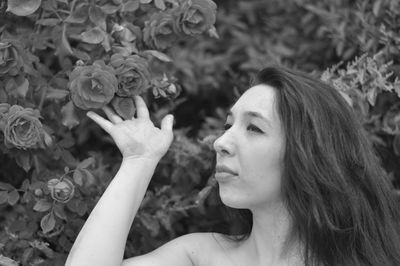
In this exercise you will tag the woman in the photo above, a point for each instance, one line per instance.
(293, 154)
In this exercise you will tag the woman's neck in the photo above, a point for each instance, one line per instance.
(271, 240)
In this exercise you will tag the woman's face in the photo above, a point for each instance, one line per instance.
(252, 147)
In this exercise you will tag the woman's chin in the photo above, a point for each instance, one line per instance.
(231, 199)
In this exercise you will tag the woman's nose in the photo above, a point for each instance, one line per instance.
(223, 145)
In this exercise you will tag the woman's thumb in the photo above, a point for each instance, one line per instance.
(167, 122)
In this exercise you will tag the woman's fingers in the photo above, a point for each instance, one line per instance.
(103, 123)
(167, 122)
(141, 108)
(111, 115)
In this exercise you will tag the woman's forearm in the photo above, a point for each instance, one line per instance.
(102, 239)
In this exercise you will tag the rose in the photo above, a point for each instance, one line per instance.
(4, 107)
(61, 190)
(161, 30)
(92, 86)
(126, 32)
(23, 130)
(197, 16)
(10, 58)
(132, 73)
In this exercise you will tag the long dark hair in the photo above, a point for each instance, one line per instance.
(341, 202)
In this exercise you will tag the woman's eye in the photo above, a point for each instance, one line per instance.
(227, 126)
(250, 127)
(254, 128)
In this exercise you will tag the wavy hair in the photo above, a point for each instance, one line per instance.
(339, 197)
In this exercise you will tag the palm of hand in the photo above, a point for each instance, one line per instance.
(138, 137)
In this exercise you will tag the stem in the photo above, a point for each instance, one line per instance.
(62, 177)
(42, 97)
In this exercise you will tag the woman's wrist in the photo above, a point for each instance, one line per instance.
(130, 165)
(133, 160)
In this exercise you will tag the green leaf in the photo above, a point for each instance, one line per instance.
(3, 96)
(86, 163)
(48, 222)
(159, 55)
(6, 186)
(23, 7)
(124, 107)
(6, 261)
(78, 177)
(89, 180)
(77, 206)
(93, 36)
(24, 160)
(109, 9)
(26, 256)
(13, 197)
(68, 157)
(82, 208)
(64, 41)
(160, 4)
(56, 94)
(130, 6)
(79, 15)
(23, 88)
(97, 16)
(3, 197)
(42, 205)
(73, 205)
(59, 211)
(69, 116)
(25, 185)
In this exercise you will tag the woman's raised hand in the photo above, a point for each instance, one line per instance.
(138, 137)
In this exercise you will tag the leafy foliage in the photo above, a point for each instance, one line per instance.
(60, 58)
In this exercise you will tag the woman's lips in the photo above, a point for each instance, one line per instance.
(224, 176)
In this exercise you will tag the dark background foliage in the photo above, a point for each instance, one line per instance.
(354, 45)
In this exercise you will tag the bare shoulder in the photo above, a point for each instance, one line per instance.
(193, 249)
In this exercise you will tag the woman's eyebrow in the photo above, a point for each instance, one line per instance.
(253, 114)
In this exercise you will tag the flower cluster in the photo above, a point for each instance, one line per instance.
(22, 128)
(189, 18)
(92, 86)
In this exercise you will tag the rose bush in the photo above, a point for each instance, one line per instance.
(85, 54)
(92, 86)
